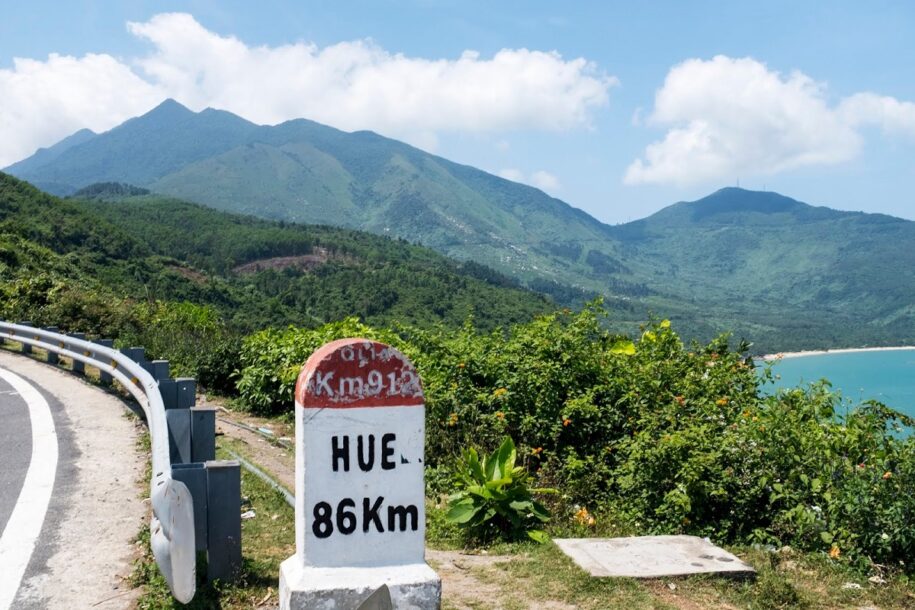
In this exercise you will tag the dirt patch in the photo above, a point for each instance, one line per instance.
(684, 600)
(461, 589)
(276, 460)
(304, 262)
(191, 274)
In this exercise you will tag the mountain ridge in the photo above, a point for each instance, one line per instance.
(303, 171)
(776, 270)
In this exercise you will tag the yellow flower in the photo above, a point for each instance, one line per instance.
(834, 552)
(721, 402)
(452, 419)
(499, 392)
(460, 365)
(500, 414)
(887, 475)
(583, 517)
(566, 422)
(537, 451)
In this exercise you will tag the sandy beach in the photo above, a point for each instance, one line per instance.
(849, 350)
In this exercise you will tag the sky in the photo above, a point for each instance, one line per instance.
(617, 108)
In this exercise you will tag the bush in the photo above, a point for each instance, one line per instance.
(271, 360)
(494, 499)
(657, 436)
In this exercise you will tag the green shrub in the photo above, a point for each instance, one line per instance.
(494, 498)
(657, 436)
(271, 360)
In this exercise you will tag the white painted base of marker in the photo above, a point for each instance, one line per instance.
(413, 586)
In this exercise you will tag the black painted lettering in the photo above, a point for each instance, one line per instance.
(402, 512)
(337, 452)
(322, 525)
(387, 451)
(370, 514)
(346, 519)
(365, 461)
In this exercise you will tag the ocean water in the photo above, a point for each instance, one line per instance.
(887, 376)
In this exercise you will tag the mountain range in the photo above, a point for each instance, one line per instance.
(782, 273)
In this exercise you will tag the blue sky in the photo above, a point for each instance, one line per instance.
(616, 108)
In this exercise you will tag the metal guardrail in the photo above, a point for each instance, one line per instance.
(172, 525)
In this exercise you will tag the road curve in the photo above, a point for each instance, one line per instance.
(71, 495)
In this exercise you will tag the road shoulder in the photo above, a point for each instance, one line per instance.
(86, 547)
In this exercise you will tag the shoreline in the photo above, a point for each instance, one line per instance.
(847, 350)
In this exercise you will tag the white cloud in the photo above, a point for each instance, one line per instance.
(888, 113)
(44, 101)
(543, 180)
(350, 85)
(510, 173)
(731, 117)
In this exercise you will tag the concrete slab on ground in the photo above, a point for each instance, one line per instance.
(652, 556)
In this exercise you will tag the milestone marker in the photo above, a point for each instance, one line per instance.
(360, 515)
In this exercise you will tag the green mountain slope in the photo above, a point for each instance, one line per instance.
(787, 274)
(779, 272)
(139, 150)
(46, 155)
(302, 171)
(144, 247)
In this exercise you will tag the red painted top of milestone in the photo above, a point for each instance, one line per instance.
(350, 373)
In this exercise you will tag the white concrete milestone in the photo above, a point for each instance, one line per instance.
(651, 556)
(360, 513)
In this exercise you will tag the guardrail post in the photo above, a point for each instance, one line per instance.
(186, 392)
(159, 369)
(203, 434)
(195, 477)
(223, 520)
(104, 377)
(52, 356)
(78, 367)
(179, 435)
(137, 354)
(169, 390)
(26, 349)
(179, 420)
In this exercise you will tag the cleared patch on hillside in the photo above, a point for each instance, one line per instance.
(304, 262)
(191, 274)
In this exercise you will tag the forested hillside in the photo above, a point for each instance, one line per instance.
(783, 274)
(323, 273)
(66, 259)
(302, 171)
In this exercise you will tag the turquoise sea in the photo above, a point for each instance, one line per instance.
(887, 376)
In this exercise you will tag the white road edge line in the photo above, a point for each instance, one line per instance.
(24, 526)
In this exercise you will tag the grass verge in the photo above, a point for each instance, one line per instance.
(267, 540)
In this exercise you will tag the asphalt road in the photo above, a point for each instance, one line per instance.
(70, 493)
(15, 448)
